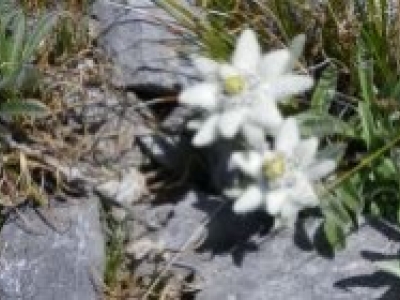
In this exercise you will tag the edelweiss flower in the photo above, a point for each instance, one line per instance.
(241, 96)
(283, 176)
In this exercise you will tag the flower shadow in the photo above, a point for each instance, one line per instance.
(309, 234)
(232, 234)
(377, 279)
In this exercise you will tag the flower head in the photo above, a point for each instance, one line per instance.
(241, 96)
(283, 176)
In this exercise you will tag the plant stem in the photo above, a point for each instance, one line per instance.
(364, 163)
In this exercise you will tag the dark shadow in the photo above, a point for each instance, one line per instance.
(302, 237)
(309, 234)
(239, 252)
(375, 280)
(149, 91)
(378, 279)
(322, 245)
(386, 228)
(376, 257)
(230, 233)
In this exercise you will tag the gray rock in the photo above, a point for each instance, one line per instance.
(136, 229)
(125, 191)
(185, 220)
(111, 121)
(119, 123)
(41, 262)
(276, 269)
(245, 262)
(142, 47)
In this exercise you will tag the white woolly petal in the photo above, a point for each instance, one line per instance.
(194, 124)
(287, 86)
(274, 64)
(296, 48)
(250, 200)
(275, 200)
(254, 136)
(207, 132)
(202, 95)
(288, 214)
(321, 169)
(233, 192)
(230, 122)
(208, 68)
(225, 71)
(288, 137)
(265, 113)
(306, 150)
(302, 192)
(248, 162)
(247, 54)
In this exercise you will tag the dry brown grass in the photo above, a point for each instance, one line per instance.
(75, 6)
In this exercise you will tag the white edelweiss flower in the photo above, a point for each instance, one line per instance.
(283, 177)
(241, 97)
(226, 94)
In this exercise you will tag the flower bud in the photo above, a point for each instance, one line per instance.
(234, 85)
(274, 168)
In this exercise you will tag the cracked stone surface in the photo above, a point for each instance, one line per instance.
(239, 259)
(40, 262)
(127, 32)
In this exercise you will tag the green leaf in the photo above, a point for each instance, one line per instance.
(386, 169)
(350, 197)
(367, 123)
(17, 47)
(316, 123)
(398, 214)
(324, 92)
(375, 209)
(338, 211)
(334, 233)
(365, 72)
(43, 27)
(18, 41)
(5, 42)
(394, 91)
(179, 12)
(23, 107)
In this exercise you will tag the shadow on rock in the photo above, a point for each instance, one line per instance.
(378, 279)
(228, 232)
(386, 228)
(375, 280)
(309, 234)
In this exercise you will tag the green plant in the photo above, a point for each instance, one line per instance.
(70, 36)
(355, 106)
(18, 46)
(114, 254)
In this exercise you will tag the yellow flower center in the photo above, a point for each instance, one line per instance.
(234, 85)
(275, 167)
